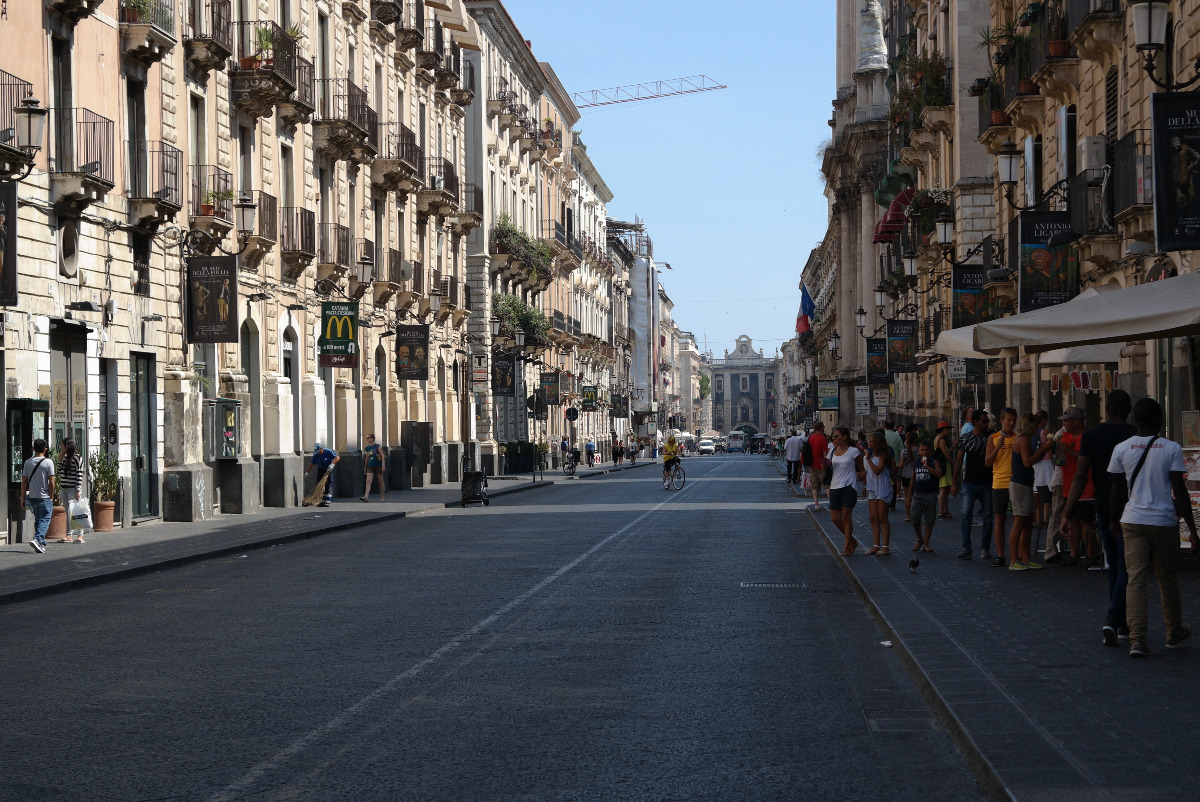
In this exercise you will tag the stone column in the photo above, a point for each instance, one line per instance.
(187, 481)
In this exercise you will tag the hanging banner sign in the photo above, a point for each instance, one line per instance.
(338, 343)
(827, 392)
(976, 371)
(412, 354)
(8, 243)
(212, 299)
(588, 397)
(479, 372)
(620, 406)
(1047, 276)
(902, 346)
(967, 287)
(549, 384)
(1175, 143)
(504, 375)
(877, 361)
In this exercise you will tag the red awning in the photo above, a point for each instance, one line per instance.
(892, 222)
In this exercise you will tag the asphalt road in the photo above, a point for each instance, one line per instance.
(603, 639)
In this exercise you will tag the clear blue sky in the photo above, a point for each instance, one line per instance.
(726, 181)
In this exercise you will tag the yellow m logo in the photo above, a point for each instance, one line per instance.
(339, 321)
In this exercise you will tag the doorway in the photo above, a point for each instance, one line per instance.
(144, 393)
(68, 383)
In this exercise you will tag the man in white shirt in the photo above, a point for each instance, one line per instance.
(792, 448)
(1148, 498)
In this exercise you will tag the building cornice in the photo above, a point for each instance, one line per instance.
(559, 96)
(495, 22)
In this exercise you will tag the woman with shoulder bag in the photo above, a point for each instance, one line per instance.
(70, 475)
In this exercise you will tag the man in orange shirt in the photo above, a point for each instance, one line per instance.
(999, 459)
(1083, 515)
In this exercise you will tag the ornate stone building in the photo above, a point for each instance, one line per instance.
(744, 390)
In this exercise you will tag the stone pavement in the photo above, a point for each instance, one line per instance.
(155, 545)
(1013, 663)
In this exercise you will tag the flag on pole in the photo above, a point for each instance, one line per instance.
(807, 310)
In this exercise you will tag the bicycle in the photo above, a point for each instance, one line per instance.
(675, 479)
(569, 465)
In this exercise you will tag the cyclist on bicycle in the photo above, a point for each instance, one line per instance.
(671, 453)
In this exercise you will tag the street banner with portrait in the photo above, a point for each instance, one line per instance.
(827, 393)
(549, 382)
(504, 375)
(1048, 276)
(1175, 143)
(412, 353)
(620, 406)
(8, 243)
(902, 346)
(212, 299)
(337, 346)
(967, 287)
(877, 361)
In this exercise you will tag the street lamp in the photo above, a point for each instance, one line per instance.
(435, 300)
(520, 338)
(945, 227)
(1008, 163)
(244, 213)
(860, 318)
(495, 326)
(30, 123)
(835, 342)
(1150, 23)
(910, 263)
(880, 297)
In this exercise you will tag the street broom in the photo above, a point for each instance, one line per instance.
(317, 494)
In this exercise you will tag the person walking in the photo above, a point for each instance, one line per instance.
(634, 445)
(880, 493)
(843, 492)
(373, 467)
(908, 458)
(589, 449)
(818, 447)
(927, 476)
(70, 479)
(564, 448)
(1080, 523)
(973, 480)
(792, 449)
(1149, 496)
(37, 493)
(1027, 451)
(999, 459)
(941, 445)
(324, 460)
(1095, 454)
(1043, 475)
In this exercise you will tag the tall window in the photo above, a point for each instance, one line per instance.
(287, 180)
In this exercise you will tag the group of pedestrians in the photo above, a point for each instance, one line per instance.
(1111, 496)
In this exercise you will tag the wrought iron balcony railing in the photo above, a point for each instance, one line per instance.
(263, 46)
(335, 246)
(441, 176)
(211, 191)
(297, 228)
(1133, 172)
(155, 172)
(159, 13)
(82, 143)
(210, 20)
(266, 219)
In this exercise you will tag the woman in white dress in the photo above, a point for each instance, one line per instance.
(880, 488)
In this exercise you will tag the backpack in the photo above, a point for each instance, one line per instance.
(806, 455)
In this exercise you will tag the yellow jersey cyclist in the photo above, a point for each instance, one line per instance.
(671, 452)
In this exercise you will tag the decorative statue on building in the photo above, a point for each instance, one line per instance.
(872, 52)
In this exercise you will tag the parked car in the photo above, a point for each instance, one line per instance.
(706, 447)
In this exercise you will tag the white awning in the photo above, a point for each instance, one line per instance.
(1082, 355)
(1167, 308)
(961, 342)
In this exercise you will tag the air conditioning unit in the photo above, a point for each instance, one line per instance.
(1090, 153)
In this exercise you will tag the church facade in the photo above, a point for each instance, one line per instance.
(745, 390)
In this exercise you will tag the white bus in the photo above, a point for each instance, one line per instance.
(737, 442)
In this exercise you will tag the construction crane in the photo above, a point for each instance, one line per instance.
(647, 91)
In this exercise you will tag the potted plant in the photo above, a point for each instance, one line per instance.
(106, 479)
(264, 41)
(1056, 30)
(212, 198)
(132, 11)
(996, 100)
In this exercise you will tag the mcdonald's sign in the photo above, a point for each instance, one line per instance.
(338, 343)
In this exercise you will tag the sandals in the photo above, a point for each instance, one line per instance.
(917, 546)
(884, 551)
(873, 551)
(853, 547)
(927, 549)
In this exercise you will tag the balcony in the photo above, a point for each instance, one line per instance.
(345, 127)
(552, 141)
(298, 235)
(439, 196)
(412, 286)
(1089, 202)
(448, 287)
(500, 97)
(995, 126)
(1133, 185)
(265, 71)
(363, 275)
(147, 29)
(386, 12)
(300, 105)
(334, 252)
(410, 27)
(74, 10)
(207, 37)
(82, 159)
(154, 185)
(400, 164)
(1024, 106)
(262, 240)
(464, 93)
(470, 212)
(446, 72)
(210, 203)
(1097, 28)
(390, 279)
(554, 234)
(12, 91)
(432, 46)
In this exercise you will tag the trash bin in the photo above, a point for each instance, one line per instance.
(474, 487)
